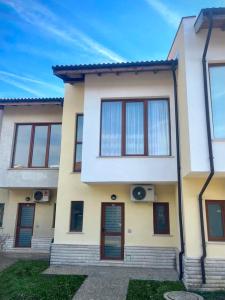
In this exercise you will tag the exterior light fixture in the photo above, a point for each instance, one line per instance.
(113, 197)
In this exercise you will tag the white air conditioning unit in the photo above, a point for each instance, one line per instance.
(142, 193)
(41, 196)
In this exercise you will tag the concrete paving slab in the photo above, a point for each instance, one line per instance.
(109, 283)
(102, 289)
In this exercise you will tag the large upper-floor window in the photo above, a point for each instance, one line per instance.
(37, 145)
(217, 83)
(78, 142)
(215, 213)
(135, 127)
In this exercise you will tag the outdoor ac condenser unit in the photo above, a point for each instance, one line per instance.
(142, 193)
(41, 196)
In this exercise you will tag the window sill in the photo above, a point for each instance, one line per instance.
(218, 140)
(138, 156)
(75, 232)
(25, 169)
(163, 235)
(215, 242)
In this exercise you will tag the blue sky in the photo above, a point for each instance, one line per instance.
(36, 34)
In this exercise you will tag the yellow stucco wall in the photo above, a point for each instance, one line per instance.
(138, 217)
(43, 219)
(215, 191)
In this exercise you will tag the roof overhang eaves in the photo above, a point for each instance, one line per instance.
(218, 15)
(77, 73)
(30, 102)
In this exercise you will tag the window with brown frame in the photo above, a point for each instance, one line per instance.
(215, 215)
(161, 218)
(78, 142)
(2, 206)
(217, 86)
(53, 219)
(37, 145)
(135, 127)
(76, 216)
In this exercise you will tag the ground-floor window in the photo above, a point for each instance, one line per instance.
(161, 218)
(76, 217)
(215, 214)
(2, 206)
(53, 219)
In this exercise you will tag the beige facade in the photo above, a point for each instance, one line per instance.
(103, 176)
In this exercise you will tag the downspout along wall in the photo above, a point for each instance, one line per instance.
(179, 188)
(210, 149)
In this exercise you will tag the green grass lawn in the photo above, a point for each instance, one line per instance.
(24, 281)
(154, 290)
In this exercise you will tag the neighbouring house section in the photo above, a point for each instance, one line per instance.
(189, 47)
(200, 47)
(30, 145)
(26, 224)
(214, 224)
(30, 135)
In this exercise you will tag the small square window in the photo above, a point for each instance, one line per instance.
(161, 218)
(76, 217)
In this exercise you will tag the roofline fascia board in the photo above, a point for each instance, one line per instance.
(29, 103)
(112, 65)
(71, 74)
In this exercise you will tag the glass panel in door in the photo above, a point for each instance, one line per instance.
(25, 225)
(112, 231)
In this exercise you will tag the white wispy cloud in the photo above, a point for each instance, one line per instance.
(169, 15)
(42, 18)
(21, 86)
(7, 75)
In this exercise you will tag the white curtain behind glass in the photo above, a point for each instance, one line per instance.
(134, 128)
(217, 80)
(111, 128)
(158, 127)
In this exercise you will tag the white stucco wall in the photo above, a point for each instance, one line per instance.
(193, 77)
(124, 169)
(25, 178)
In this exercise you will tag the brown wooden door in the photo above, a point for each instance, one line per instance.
(112, 231)
(25, 222)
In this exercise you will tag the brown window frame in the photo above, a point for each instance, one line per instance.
(222, 204)
(166, 205)
(71, 205)
(77, 165)
(31, 147)
(145, 124)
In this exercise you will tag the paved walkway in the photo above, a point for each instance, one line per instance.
(6, 261)
(110, 283)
